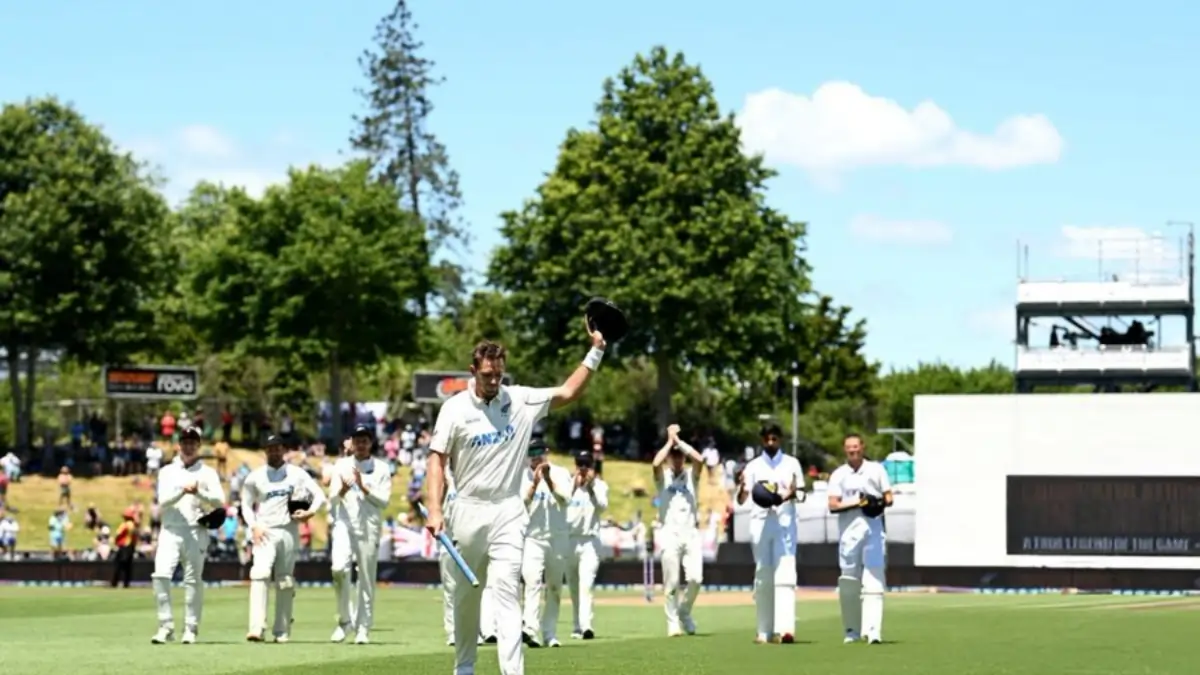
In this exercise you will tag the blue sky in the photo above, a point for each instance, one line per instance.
(920, 140)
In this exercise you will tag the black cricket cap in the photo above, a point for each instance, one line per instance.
(274, 439)
(585, 459)
(363, 430)
(191, 433)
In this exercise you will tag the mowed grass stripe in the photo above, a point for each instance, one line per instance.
(930, 634)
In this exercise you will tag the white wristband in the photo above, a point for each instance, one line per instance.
(593, 358)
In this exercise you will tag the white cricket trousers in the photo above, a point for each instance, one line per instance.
(356, 606)
(274, 559)
(774, 544)
(543, 570)
(681, 547)
(862, 557)
(582, 564)
(490, 536)
(187, 546)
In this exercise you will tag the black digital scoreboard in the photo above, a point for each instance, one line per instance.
(1103, 516)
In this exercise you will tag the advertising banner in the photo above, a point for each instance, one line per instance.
(167, 383)
(435, 387)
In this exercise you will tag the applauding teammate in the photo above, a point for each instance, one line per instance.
(187, 491)
(271, 498)
(341, 551)
(360, 490)
(483, 433)
(589, 499)
(679, 531)
(859, 490)
(546, 488)
(773, 479)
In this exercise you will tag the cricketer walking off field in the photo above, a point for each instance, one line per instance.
(675, 469)
(186, 491)
(773, 538)
(483, 434)
(360, 490)
(546, 489)
(862, 542)
(275, 533)
(589, 501)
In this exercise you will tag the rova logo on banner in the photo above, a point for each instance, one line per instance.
(451, 386)
(176, 384)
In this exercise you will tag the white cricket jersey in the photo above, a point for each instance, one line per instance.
(548, 509)
(180, 510)
(782, 470)
(586, 507)
(677, 498)
(271, 489)
(487, 441)
(850, 485)
(361, 509)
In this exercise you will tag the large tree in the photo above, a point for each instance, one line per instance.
(658, 208)
(325, 271)
(395, 137)
(83, 240)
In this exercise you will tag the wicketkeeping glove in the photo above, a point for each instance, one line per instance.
(872, 506)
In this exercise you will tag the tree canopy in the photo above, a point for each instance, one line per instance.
(658, 209)
(83, 237)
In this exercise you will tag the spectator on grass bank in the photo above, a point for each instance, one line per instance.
(227, 425)
(91, 519)
(146, 547)
(221, 452)
(102, 544)
(3, 487)
(166, 427)
(125, 542)
(185, 421)
(154, 459)
(64, 488)
(57, 526)
(9, 528)
(11, 464)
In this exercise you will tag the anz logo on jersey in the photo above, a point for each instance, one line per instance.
(284, 492)
(678, 488)
(491, 438)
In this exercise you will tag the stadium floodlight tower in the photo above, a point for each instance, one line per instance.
(1126, 321)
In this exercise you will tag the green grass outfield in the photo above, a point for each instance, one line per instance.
(96, 631)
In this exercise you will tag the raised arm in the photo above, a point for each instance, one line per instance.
(560, 485)
(598, 491)
(568, 392)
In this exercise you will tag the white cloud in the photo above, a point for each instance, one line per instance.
(841, 127)
(201, 152)
(205, 141)
(877, 229)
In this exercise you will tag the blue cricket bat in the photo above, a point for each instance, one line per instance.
(444, 540)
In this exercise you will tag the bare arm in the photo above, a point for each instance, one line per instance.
(570, 391)
(691, 452)
(249, 498)
(435, 483)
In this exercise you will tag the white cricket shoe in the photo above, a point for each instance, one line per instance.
(577, 635)
(674, 631)
(553, 642)
(874, 640)
(189, 636)
(282, 639)
(851, 638)
(689, 625)
(339, 634)
(362, 638)
(163, 636)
